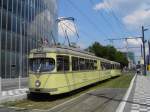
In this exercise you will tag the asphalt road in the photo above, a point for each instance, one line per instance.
(9, 84)
(102, 100)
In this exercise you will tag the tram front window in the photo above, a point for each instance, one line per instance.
(42, 64)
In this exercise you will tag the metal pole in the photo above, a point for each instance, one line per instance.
(1, 52)
(127, 52)
(149, 52)
(149, 47)
(67, 38)
(143, 40)
(20, 57)
(141, 50)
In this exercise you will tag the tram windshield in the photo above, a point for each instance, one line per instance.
(42, 64)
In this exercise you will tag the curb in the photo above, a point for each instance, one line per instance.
(13, 96)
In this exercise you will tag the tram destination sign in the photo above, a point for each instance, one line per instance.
(39, 55)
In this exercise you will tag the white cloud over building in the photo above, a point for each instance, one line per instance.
(133, 13)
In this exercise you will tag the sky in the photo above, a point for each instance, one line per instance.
(99, 20)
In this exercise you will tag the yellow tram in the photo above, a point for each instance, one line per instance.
(61, 69)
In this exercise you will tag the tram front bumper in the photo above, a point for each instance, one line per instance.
(43, 90)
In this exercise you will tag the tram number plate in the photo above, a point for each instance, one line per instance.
(39, 55)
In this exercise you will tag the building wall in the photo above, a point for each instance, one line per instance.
(22, 24)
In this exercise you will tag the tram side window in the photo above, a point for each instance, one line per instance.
(62, 63)
(109, 66)
(113, 66)
(90, 65)
(82, 64)
(102, 66)
(95, 65)
(75, 64)
(106, 66)
(87, 64)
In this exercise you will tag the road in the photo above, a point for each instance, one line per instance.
(9, 84)
(102, 100)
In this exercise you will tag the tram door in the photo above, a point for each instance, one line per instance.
(63, 65)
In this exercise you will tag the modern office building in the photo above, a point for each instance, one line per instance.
(22, 24)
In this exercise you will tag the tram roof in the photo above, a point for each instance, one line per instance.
(70, 50)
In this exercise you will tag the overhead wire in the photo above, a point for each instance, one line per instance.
(87, 18)
(75, 32)
(64, 33)
(120, 24)
(104, 18)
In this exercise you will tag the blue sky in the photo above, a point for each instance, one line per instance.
(98, 20)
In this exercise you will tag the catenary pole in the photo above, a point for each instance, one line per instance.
(143, 40)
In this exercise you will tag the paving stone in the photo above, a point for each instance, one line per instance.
(140, 95)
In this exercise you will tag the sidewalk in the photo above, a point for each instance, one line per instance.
(13, 95)
(139, 99)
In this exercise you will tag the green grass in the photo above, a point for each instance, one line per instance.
(122, 81)
(119, 82)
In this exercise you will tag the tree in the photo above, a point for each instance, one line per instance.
(108, 52)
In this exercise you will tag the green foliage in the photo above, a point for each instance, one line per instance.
(108, 52)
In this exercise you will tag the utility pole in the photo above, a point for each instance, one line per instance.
(149, 47)
(149, 52)
(127, 53)
(141, 50)
(143, 40)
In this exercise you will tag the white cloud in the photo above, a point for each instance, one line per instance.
(133, 13)
(67, 26)
(133, 41)
(100, 6)
(137, 18)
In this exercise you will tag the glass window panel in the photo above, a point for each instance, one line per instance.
(62, 63)
(42, 64)
(1, 3)
(5, 4)
(75, 64)
(10, 5)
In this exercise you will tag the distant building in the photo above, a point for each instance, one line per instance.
(22, 24)
(131, 59)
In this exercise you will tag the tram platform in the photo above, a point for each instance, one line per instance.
(139, 98)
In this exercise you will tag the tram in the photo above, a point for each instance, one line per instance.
(60, 70)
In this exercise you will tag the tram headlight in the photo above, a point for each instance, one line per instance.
(37, 83)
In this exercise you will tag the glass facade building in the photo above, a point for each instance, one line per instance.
(22, 24)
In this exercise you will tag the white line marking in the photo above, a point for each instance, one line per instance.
(18, 108)
(123, 102)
